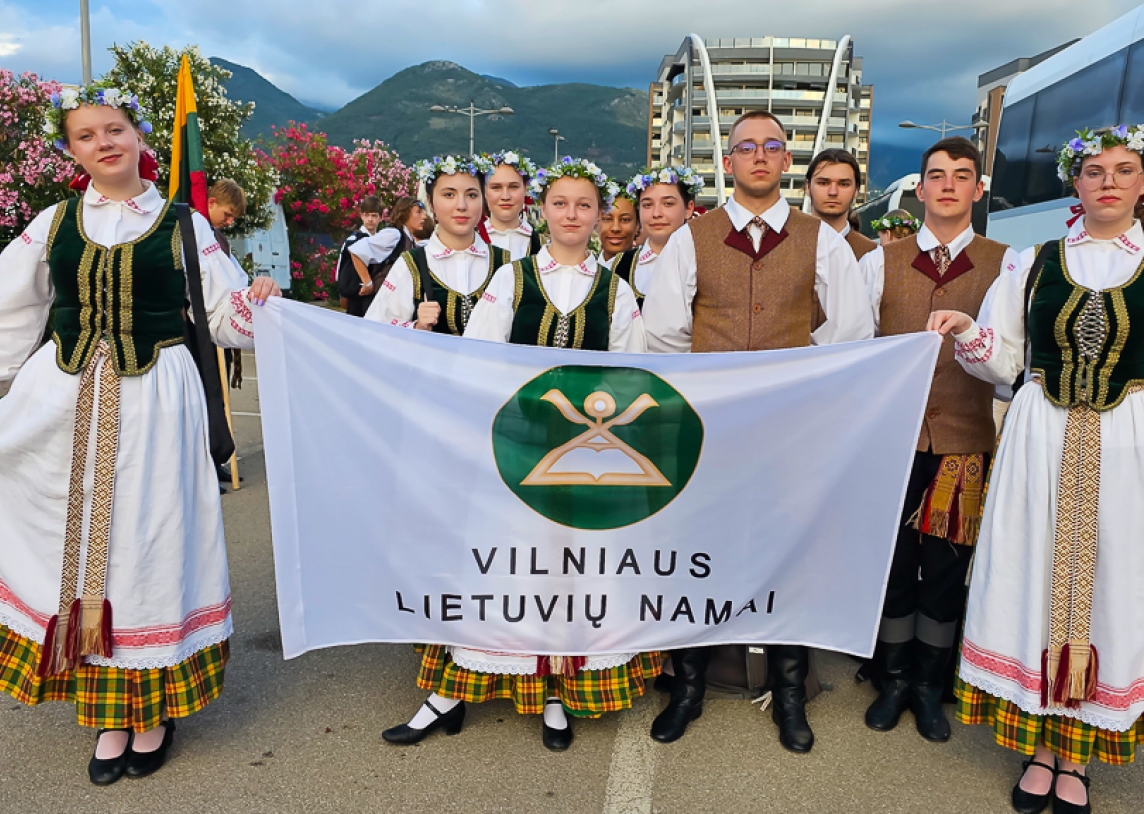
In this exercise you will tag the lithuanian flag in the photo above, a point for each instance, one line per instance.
(188, 178)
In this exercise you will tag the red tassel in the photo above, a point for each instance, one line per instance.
(1078, 213)
(105, 631)
(75, 621)
(1091, 677)
(80, 182)
(483, 231)
(42, 669)
(148, 166)
(1046, 683)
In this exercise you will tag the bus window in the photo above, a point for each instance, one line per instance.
(1132, 103)
(1088, 98)
(909, 202)
(1010, 161)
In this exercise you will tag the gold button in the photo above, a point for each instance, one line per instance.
(758, 308)
(758, 264)
(939, 292)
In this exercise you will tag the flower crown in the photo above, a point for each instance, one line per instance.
(1087, 143)
(98, 93)
(522, 165)
(894, 221)
(569, 167)
(430, 170)
(686, 176)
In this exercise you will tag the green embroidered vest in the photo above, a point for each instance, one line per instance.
(456, 308)
(1080, 339)
(537, 322)
(130, 295)
(625, 268)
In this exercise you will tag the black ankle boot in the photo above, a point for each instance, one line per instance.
(405, 735)
(930, 664)
(687, 690)
(893, 663)
(789, 667)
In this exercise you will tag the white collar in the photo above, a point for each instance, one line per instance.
(775, 217)
(1130, 241)
(927, 242)
(546, 264)
(646, 254)
(524, 228)
(845, 230)
(438, 250)
(148, 201)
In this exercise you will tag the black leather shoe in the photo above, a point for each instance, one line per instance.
(790, 665)
(556, 740)
(105, 771)
(141, 764)
(926, 691)
(1025, 802)
(405, 735)
(893, 661)
(687, 690)
(1062, 807)
(663, 682)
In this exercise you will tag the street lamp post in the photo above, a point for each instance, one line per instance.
(472, 111)
(944, 127)
(85, 39)
(556, 138)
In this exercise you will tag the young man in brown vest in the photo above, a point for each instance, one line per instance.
(943, 266)
(753, 275)
(832, 182)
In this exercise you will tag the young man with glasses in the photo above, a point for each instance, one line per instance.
(753, 275)
(944, 266)
(832, 182)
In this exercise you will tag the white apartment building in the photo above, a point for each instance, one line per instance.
(785, 75)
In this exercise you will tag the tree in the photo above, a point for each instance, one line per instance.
(152, 73)
(33, 174)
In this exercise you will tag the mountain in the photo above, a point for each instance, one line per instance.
(272, 106)
(606, 125)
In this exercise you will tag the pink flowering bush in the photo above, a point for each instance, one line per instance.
(33, 175)
(320, 189)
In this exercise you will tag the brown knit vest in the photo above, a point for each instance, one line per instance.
(743, 303)
(860, 244)
(959, 415)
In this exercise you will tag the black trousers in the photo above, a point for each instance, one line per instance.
(927, 577)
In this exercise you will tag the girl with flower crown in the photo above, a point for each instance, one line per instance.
(665, 200)
(895, 225)
(506, 189)
(114, 592)
(562, 297)
(434, 287)
(619, 226)
(1053, 653)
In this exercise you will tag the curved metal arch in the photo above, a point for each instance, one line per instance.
(712, 114)
(827, 108)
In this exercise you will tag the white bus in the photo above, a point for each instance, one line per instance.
(1098, 82)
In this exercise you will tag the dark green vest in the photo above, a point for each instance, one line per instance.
(537, 322)
(625, 269)
(1080, 340)
(130, 295)
(455, 306)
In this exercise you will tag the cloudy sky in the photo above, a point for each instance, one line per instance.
(923, 57)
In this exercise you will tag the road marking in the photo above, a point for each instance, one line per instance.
(254, 415)
(632, 771)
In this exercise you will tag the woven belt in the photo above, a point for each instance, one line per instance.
(82, 627)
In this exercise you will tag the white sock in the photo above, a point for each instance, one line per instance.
(554, 714)
(426, 716)
(111, 745)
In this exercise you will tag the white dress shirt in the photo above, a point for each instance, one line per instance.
(463, 271)
(567, 287)
(377, 247)
(841, 290)
(516, 241)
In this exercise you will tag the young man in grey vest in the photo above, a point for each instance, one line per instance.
(753, 275)
(944, 266)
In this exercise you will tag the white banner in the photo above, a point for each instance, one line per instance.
(426, 488)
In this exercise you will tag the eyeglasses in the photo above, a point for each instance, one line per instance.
(1093, 178)
(747, 149)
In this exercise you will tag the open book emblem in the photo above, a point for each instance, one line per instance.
(596, 457)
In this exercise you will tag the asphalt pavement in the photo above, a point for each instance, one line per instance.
(305, 735)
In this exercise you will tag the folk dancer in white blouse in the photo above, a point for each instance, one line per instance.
(436, 286)
(753, 275)
(618, 226)
(566, 285)
(114, 592)
(506, 193)
(1053, 653)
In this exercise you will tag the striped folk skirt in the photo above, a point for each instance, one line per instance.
(113, 697)
(587, 694)
(1067, 738)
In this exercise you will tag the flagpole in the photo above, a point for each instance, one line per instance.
(234, 479)
(85, 39)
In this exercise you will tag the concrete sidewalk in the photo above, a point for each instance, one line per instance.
(305, 736)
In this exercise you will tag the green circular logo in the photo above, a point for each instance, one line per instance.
(597, 447)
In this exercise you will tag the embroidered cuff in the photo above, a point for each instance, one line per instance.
(976, 347)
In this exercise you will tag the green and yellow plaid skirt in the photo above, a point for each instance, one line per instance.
(113, 697)
(588, 694)
(1067, 738)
